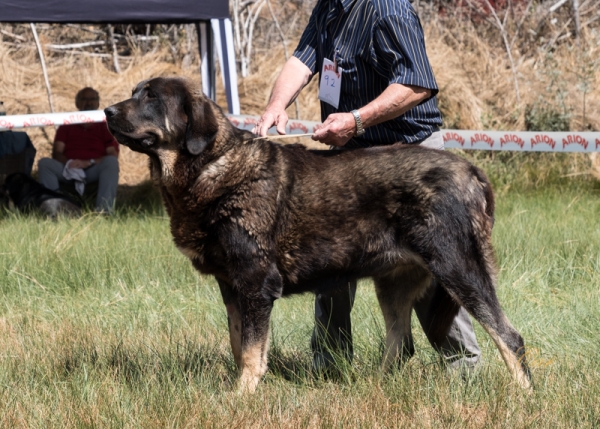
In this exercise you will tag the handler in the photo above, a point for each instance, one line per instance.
(376, 88)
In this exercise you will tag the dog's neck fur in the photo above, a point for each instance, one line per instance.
(201, 177)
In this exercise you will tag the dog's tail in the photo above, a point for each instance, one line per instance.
(490, 204)
(483, 223)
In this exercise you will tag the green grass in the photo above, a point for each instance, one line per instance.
(104, 324)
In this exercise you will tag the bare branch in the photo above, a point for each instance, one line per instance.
(557, 5)
(520, 24)
(285, 51)
(43, 62)
(245, 15)
(14, 36)
(502, 29)
(115, 56)
(76, 45)
(577, 18)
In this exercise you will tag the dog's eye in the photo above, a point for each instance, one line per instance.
(150, 95)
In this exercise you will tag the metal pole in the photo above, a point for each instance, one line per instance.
(207, 59)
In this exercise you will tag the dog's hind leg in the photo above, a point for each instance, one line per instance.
(396, 293)
(512, 348)
(472, 284)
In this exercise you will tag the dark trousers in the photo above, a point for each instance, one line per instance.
(106, 173)
(332, 334)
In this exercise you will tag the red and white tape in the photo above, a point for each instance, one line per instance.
(453, 139)
(530, 141)
(49, 119)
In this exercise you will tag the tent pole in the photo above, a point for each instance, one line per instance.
(207, 59)
(223, 35)
(41, 54)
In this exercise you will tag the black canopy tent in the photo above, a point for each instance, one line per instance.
(210, 16)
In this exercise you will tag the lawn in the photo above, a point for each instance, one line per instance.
(103, 323)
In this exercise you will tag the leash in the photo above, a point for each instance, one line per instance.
(284, 136)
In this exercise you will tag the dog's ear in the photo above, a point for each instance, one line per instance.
(202, 124)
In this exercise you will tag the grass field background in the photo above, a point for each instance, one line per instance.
(103, 323)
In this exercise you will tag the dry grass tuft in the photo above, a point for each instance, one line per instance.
(595, 170)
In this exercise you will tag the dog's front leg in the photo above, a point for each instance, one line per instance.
(255, 344)
(234, 320)
(255, 304)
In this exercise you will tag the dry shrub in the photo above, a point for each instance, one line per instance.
(23, 90)
(556, 76)
(595, 170)
(458, 100)
(476, 86)
(256, 88)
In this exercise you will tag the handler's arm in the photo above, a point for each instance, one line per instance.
(294, 76)
(397, 99)
(58, 152)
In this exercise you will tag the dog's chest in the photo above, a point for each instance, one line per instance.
(197, 241)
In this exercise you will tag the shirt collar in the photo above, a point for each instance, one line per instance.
(346, 4)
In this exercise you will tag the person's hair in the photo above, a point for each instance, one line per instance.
(81, 91)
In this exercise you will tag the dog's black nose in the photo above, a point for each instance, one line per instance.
(111, 111)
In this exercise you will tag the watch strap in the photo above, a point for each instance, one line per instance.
(359, 125)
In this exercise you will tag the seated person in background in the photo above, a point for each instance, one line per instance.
(87, 150)
(17, 153)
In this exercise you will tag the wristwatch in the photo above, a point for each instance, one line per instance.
(92, 162)
(359, 125)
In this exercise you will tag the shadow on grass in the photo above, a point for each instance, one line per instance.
(292, 366)
(143, 198)
(136, 364)
(296, 367)
(183, 362)
(132, 200)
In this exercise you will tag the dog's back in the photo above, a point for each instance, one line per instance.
(380, 205)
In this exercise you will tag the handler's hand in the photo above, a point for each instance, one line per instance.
(272, 116)
(79, 163)
(337, 129)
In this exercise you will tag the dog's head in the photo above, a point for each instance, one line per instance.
(165, 118)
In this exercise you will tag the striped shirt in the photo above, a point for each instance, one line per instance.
(376, 43)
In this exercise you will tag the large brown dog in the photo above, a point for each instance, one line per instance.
(269, 220)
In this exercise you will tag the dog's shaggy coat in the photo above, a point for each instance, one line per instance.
(269, 220)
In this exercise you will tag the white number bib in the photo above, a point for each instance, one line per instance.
(331, 82)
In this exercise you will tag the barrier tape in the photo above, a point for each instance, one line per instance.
(453, 139)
